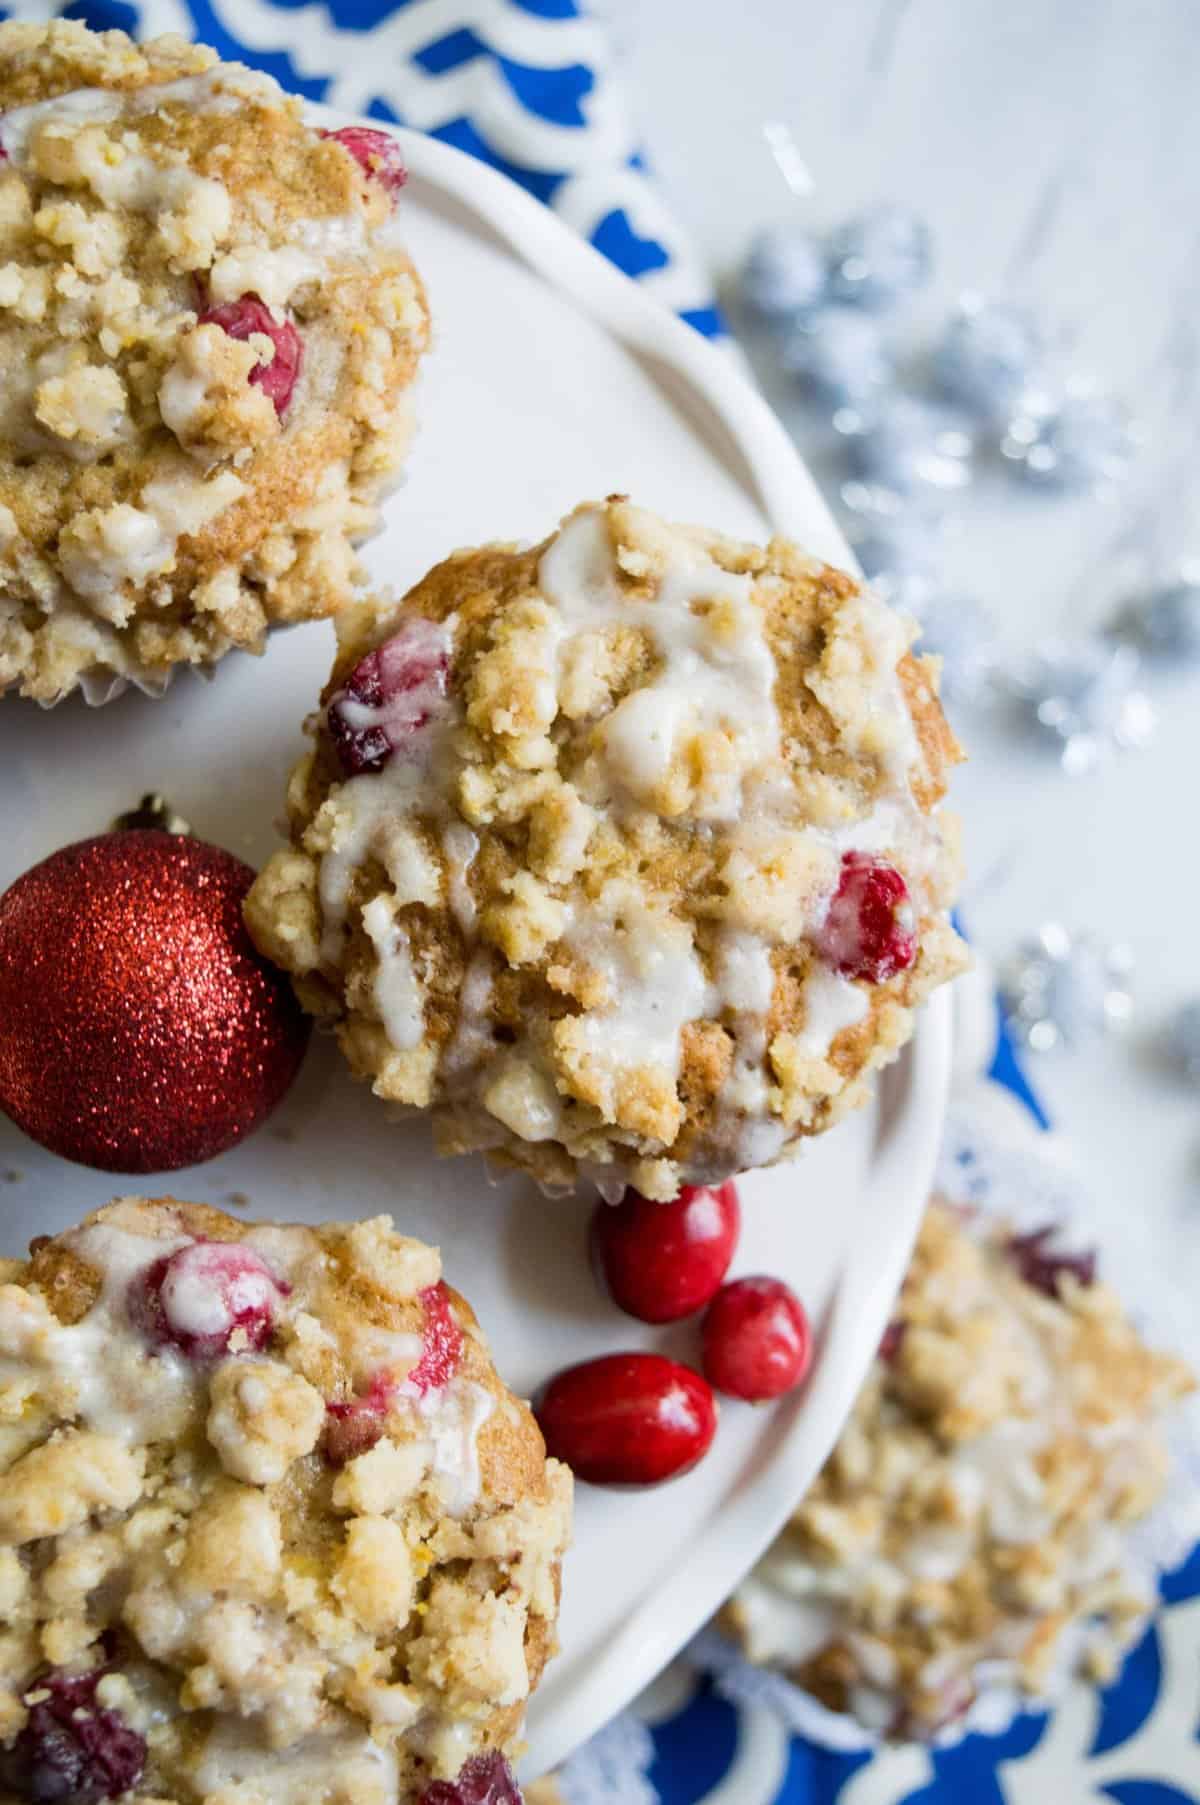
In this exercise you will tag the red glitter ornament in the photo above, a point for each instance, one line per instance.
(139, 1029)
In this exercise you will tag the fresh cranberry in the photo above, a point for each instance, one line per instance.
(356, 1424)
(246, 316)
(389, 696)
(870, 930)
(892, 1339)
(199, 1298)
(628, 1419)
(441, 1343)
(352, 1425)
(485, 1780)
(663, 1261)
(1044, 1269)
(756, 1339)
(375, 152)
(70, 1748)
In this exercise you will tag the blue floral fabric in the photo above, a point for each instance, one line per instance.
(528, 86)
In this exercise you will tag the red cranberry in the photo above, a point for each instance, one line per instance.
(356, 1424)
(663, 1261)
(389, 696)
(628, 1419)
(892, 1340)
(377, 153)
(351, 1428)
(70, 1748)
(199, 1298)
(485, 1780)
(248, 316)
(1044, 1269)
(756, 1339)
(870, 930)
(441, 1343)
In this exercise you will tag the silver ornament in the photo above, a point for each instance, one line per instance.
(906, 445)
(989, 357)
(1077, 443)
(1085, 698)
(963, 635)
(1165, 622)
(784, 273)
(1063, 989)
(898, 546)
(840, 356)
(1183, 1040)
(877, 259)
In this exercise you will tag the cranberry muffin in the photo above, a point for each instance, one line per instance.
(972, 1526)
(271, 1528)
(208, 331)
(621, 855)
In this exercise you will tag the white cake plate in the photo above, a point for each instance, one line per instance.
(553, 379)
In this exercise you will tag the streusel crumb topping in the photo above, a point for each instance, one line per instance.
(266, 1508)
(622, 854)
(207, 331)
(972, 1525)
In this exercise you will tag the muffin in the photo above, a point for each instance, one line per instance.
(621, 855)
(973, 1527)
(208, 331)
(271, 1528)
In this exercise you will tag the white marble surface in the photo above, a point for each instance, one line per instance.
(1054, 151)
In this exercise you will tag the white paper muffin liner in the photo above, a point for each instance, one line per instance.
(997, 1160)
(99, 687)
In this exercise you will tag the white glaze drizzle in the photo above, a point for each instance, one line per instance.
(219, 90)
(399, 994)
(713, 678)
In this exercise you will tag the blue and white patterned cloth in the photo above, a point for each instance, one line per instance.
(528, 85)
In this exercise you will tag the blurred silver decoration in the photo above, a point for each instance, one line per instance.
(1063, 989)
(1183, 1040)
(1164, 623)
(880, 257)
(962, 633)
(898, 546)
(1084, 697)
(989, 357)
(784, 273)
(907, 444)
(1078, 442)
(839, 355)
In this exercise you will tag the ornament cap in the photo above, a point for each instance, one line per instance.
(153, 811)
